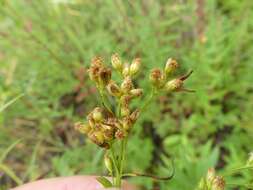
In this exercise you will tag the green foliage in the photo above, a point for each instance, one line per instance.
(45, 46)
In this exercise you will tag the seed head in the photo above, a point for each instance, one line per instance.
(136, 92)
(97, 61)
(135, 115)
(126, 85)
(174, 85)
(210, 174)
(135, 66)
(124, 111)
(97, 137)
(97, 114)
(157, 78)
(94, 73)
(105, 75)
(125, 100)
(171, 66)
(82, 128)
(113, 89)
(116, 62)
(120, 134)
(126, 70)
(218, 183)
(127, 123)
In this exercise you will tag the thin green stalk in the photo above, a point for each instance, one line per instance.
(103, 98)
(153, 92)
(116, 177)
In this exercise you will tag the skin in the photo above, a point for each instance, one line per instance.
(68, 183)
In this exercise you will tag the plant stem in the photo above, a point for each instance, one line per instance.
(153, 92)
(103, 98)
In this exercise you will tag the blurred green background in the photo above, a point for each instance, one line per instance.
(46, 47)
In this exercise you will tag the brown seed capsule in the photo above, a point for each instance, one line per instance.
(82, 128)
(174, 85)
(124, 111)
(125, 100)
(120, 134)
(135, 115)
(157, 78)
(127, 85)
(94, 73)
(116, 62)
(113, 89)
(97, 137)
(126, 123)
(218, 183)
(97, 61)
(136, 92)
(135, 66)
(105, 75)
(171, 66)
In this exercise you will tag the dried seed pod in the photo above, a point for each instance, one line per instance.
(136, 92)
(126, 85)
(97, 137)
(218, 183)
(174, 85)
(105, 75)
(135, 66)
(135, 115)
(97, 61)
(126, 123)
(116, 62)
(94, 73)
(82, 128)
(171, 66)
(113, 89)
(121, 134)
(124, 111)
(157, 78)
(125, 100)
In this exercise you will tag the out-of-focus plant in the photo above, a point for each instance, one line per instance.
(110, 125)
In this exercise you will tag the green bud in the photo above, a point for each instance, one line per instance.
(97, 114)
(108, 163)
(135, 66)
(174, 85)
(171, 66)
(126, 70)
(98, 137)
(116, 62)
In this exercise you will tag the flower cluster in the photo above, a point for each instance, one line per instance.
(212, 181)
(103, 126)
(159, 78)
